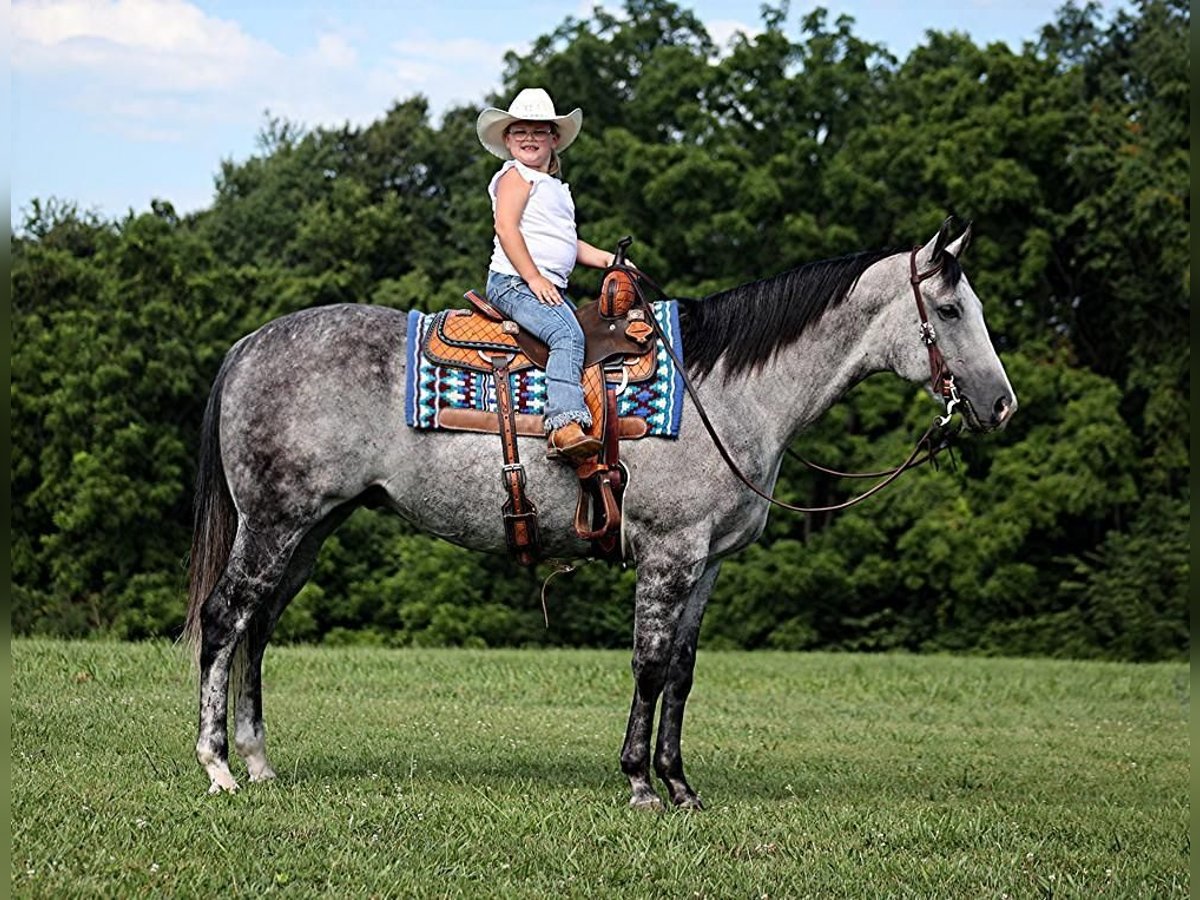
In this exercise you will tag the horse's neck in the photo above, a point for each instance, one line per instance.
(793, 390)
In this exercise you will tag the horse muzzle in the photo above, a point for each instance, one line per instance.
(1002, 409)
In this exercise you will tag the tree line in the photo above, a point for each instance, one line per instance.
(1065, 535)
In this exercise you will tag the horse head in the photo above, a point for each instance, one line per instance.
(951, 335)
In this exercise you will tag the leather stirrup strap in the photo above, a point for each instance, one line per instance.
(612, 431)
(603, 484)
(613, 485)
(519, 512)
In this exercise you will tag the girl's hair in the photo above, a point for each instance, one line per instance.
(555, 166)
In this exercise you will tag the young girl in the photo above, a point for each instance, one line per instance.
(535, 249)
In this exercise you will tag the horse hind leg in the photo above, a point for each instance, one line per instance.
(250, 733)
(256, 565)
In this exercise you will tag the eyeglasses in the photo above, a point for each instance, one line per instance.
(538, 134)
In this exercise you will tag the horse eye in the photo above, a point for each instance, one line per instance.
(949, 311)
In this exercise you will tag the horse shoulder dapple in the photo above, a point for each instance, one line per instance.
(619, 352)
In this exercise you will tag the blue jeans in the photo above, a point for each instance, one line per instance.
(559, 329)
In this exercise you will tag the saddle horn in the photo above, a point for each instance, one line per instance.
(623, 246)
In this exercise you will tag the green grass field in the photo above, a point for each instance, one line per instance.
(494, 774)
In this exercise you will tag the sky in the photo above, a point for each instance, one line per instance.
(114, 103)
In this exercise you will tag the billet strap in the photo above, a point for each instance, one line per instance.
(519, 512)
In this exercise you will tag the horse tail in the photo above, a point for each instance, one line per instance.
(215, 518)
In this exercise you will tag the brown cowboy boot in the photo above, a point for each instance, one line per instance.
(569, 440)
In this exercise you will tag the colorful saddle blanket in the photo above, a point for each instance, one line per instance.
(431, 387)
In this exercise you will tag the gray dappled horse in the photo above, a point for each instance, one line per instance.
(305, 423)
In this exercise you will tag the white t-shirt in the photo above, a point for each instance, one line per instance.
(547, 224)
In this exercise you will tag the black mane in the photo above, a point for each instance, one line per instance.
(749, 324)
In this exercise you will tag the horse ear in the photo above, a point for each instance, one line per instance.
(960, 243)
(933, 249)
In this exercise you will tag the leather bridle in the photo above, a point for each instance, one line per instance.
(941, 380)
(938, 374)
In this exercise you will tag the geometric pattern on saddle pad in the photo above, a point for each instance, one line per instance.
(430, 388)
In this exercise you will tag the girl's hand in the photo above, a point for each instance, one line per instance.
(545, 290)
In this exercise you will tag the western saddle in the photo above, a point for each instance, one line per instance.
(620, 351)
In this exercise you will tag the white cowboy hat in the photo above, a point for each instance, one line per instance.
(531, 105)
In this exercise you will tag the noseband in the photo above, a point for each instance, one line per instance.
(940, 377)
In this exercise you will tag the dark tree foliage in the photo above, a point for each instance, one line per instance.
(1065, 535)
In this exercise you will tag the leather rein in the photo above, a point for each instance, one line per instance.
(933, 441)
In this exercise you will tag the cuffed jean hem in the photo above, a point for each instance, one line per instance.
(582, 416)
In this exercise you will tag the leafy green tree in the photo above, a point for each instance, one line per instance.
(1064, 535)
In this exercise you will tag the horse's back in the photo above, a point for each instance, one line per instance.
(342, 341)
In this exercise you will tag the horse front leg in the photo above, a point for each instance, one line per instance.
(668, 759)
(662, 593)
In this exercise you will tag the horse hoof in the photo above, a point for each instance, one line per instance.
(651, 803)
(258, 768)
(228, 786)
(221, 780)
(691, 803)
